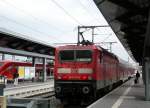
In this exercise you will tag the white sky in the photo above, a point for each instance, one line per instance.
(56, 21)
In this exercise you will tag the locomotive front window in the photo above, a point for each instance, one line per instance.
(67, 55)
(1, 64)
(75, 55)
(83, 55)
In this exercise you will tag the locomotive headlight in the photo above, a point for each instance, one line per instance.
(85, 90)
(64, 70)
(58, 89)
(85, 70)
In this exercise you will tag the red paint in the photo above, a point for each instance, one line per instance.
(8, 68)
(65, 77)
(84, 77)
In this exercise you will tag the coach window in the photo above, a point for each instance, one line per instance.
(66, 55)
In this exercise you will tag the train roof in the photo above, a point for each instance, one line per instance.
(107, 52)
(125, 63)
(12, 61)
(19, 63)
(69, 47)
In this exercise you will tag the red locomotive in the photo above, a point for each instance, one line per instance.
(84, 70)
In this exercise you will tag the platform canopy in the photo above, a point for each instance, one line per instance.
(19, 42)
(128, 19)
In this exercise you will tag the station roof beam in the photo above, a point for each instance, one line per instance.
(128, 19)
(16, 41)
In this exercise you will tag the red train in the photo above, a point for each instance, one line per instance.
(8, 68)
(81, 71)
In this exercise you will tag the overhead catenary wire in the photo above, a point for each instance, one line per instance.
(28, 27)
(66, 12)
(106, 38)
(56, 3)
(30, 15)
(39, 20)
(85, 8)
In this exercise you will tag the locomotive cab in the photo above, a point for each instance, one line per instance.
(74, 71)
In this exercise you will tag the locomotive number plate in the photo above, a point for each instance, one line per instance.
(74, 70)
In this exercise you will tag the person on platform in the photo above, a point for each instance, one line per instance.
(15, 76)
(137, 76)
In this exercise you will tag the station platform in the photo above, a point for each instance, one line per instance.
(27, 83)
(27, 89)
(128, 95)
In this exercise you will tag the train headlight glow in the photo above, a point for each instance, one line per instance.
(85, 70)
(64, 70)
